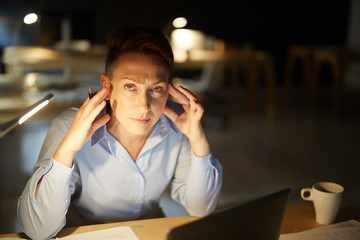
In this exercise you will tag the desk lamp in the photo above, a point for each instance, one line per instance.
(28, 19)
(7, 127)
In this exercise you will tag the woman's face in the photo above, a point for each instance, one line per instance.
(138, 92)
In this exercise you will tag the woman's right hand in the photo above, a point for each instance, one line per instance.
(82, 128)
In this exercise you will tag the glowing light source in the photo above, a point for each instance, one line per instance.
(179, 22)
(180, 55)
(30, 18)
(187, 39)
(33, 111)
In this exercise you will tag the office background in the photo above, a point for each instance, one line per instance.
(303, 143)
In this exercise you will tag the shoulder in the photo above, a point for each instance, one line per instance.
(70, 112)
(65, 118)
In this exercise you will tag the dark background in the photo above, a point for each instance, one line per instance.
(265, 25)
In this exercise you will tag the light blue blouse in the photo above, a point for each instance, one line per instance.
(105, 184)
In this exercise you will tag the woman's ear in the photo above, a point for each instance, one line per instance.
(105, 83)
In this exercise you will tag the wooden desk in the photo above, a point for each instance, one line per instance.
(298, 217)
(149, 229)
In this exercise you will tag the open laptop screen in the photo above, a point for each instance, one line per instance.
(258, 219)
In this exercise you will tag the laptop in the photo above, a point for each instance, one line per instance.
(258, 219)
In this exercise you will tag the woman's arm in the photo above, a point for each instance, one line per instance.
(42, 207)
(82, 128)
(189, 122)
(197, 182)
(46, 197)
(198, 175)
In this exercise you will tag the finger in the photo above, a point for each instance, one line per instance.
(171, 114)
(187, 93)
(99, 96)
(97, 109)
(89, 114)
(196, 108)
(90, 104)
(99, 122)
(178, 95)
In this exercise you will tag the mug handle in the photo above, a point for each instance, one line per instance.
(305, 190)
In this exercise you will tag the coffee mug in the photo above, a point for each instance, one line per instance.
(326, 197)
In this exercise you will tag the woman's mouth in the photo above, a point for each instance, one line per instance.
(141, 120)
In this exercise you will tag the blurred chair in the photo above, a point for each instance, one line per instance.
(303, 54)
(254, 64)
(340, 58)
(210, 80)
(208, 84)
(313, 59)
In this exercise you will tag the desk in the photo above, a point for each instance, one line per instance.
(298, 217)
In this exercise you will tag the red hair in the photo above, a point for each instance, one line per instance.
(140, 39)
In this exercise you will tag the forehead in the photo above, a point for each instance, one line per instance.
(140, 66)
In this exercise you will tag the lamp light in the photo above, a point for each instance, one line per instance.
(29, 18)
(179, 22)
(17, 121)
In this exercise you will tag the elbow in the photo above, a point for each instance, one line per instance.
(201, 211)
(205, 206)
(32, 233)
(36, 230)
(31, 224)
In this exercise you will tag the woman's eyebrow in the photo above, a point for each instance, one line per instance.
(160, 78)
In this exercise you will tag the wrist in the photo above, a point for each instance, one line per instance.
(200, 148)
(64, 155)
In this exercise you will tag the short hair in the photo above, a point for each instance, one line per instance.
(139, 39)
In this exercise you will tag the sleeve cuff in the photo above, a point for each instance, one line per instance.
(201, 161)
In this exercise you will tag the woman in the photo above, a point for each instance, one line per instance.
(114, 166)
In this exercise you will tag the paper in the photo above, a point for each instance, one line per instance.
(118, 233)
(11, 238)
(338, 231)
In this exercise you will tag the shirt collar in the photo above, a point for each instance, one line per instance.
(98, 135)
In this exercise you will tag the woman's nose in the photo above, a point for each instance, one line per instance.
(142, 102)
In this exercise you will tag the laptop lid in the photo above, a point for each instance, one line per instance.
(258, 219)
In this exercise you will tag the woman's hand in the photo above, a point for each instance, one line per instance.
(189, 122)
(82, 128)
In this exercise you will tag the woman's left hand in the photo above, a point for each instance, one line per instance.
(189, 122)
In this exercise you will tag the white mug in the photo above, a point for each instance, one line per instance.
(326, 197)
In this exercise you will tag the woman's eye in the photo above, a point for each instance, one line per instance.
(129, 87)
(157, 89)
